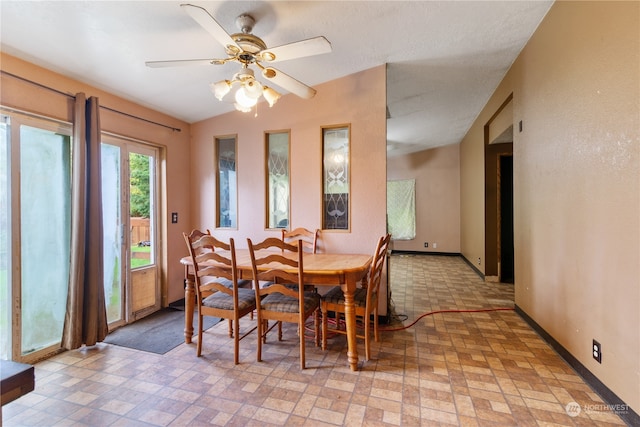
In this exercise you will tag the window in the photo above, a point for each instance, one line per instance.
(335, 175)
(401, 209)
(226, 187)
(277, 149)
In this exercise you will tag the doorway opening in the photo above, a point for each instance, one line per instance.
(499, 222)
(505, 214)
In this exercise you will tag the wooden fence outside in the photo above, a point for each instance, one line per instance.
(140, 231)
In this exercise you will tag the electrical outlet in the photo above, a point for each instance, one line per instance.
(174, 217)
(597, 351)
(435, 245)
(479, 262)
(426, 244)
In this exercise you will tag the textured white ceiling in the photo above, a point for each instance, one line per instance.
(445, 58)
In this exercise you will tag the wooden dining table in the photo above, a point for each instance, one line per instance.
(325, 269)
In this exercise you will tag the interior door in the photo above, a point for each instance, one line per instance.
(130, 194)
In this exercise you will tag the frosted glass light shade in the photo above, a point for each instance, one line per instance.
(253, 88)
(243, 99)
(221, 88)
(270, 95)
(241, 108)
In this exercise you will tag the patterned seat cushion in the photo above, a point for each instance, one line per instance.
(336, 296)
(287, 304)
(307, 288)
(243, 283)
(220, 300)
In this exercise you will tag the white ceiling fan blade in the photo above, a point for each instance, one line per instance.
(309, 47)
(183, 62)
(287, 82)
(208, 22)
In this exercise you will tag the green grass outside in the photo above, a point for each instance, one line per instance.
(140, 262)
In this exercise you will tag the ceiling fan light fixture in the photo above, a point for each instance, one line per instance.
(221, 88)
(270, 95)
(241, 108)
(248, 49)
(252, 88)
(245, 100)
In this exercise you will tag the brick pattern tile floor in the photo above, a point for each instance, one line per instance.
(443, 369)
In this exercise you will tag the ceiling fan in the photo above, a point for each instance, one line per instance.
(248, 49)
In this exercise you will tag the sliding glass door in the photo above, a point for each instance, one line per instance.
(35, 230)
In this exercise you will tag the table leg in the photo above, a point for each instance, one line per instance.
(350, 320)
(189, 301)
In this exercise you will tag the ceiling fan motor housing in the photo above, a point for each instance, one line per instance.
(245, 23)
(250, 45)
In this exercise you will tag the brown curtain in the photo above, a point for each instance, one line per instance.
(86, 317)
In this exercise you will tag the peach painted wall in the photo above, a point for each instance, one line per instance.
(175, 145)
(358, 100)
(437, 175)
(576, 88)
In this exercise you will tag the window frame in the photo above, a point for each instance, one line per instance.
(17, 119)
(347, 159)
(216, 152)
(267, 168)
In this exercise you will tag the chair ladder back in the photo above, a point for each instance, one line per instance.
(331, 301)
(196, 234)
(275, 275)
(375, 272)
(213, 262)
(285, 279)
(207, 263)
(309, 238)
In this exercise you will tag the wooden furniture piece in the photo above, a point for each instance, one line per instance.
(365, 300)
(195, 235)
(17, 380)
(214, 296)
(323, 269)
(309, 241)
(283, 298)
(309, 238)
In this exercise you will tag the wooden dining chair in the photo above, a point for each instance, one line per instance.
(365, 300)
(278, 300)
(309, 243)
(309, 238)
(242, 283)
(214, 264)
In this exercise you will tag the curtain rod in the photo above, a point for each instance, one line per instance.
(140, 118)
(68, 95)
